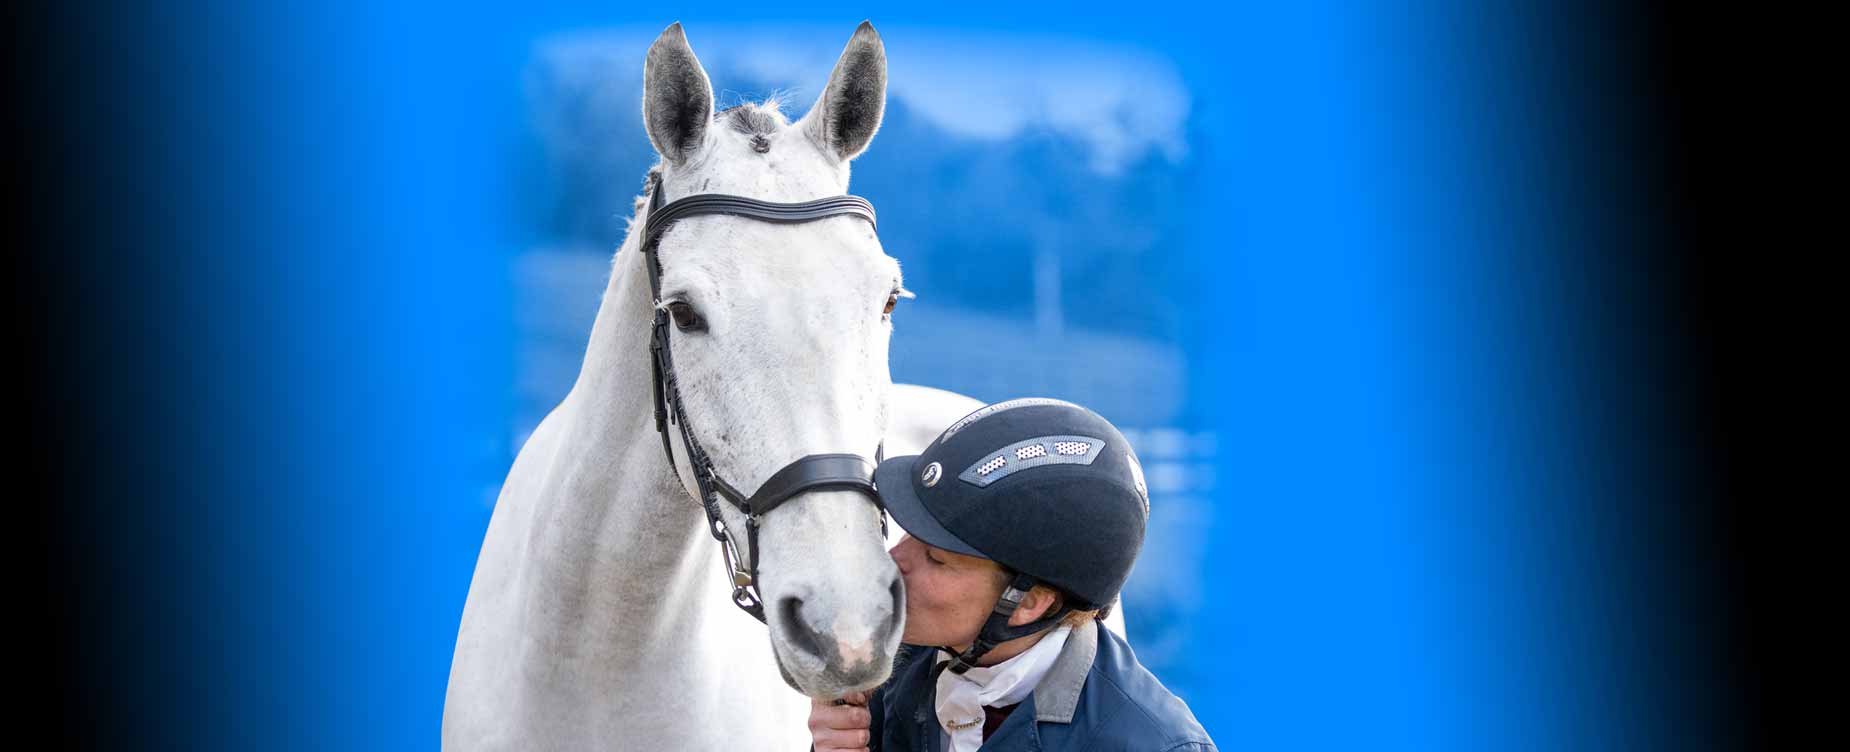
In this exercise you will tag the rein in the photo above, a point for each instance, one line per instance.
(848, 472)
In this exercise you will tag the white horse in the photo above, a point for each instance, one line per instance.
(599, 616)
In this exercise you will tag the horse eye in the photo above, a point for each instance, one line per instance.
(685, 318)
(892, 300)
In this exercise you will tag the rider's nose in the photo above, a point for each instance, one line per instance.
(901, 554)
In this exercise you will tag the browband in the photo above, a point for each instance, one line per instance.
(768, 211)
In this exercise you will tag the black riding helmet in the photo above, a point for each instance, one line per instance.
(1047, 489)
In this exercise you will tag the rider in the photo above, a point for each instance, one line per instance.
(1023, 520)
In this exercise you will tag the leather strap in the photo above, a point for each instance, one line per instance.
(767, 211)
(818, 471)
(996, 629)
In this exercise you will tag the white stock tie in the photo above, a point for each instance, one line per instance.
(961, 698)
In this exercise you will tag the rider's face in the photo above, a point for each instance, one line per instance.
(948, 595)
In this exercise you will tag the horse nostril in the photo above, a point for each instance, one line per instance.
(898, 592)
(800, 632)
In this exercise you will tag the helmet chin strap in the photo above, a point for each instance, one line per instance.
(997, 630)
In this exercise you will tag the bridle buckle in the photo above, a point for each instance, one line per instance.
(736, 564)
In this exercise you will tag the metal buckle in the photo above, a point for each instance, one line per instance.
(743, 598)
(734, 562)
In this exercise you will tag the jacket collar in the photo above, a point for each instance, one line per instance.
(1056, 698)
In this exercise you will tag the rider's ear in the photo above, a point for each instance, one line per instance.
(1039, 602)
(848, 113)
(677, 99)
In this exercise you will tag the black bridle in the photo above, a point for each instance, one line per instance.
(850, 472)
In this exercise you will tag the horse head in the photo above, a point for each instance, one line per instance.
(779, 337)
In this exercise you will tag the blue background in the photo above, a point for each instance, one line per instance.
(1369, 300)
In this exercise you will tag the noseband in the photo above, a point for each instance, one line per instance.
(847, 472)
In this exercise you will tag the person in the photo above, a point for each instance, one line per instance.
(1023, 520)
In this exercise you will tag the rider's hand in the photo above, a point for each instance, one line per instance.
(840, 724)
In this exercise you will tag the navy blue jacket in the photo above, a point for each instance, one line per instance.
(1095, 698)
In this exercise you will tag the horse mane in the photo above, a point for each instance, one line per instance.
(649, 179)
(756, 118)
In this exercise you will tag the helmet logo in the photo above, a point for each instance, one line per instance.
(932, 473)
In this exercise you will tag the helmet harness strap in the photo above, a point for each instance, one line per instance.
(997, 630)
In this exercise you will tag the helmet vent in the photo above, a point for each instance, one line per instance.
(1003, 462)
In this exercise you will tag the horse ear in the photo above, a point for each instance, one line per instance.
(677, 99)
(848, 113)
